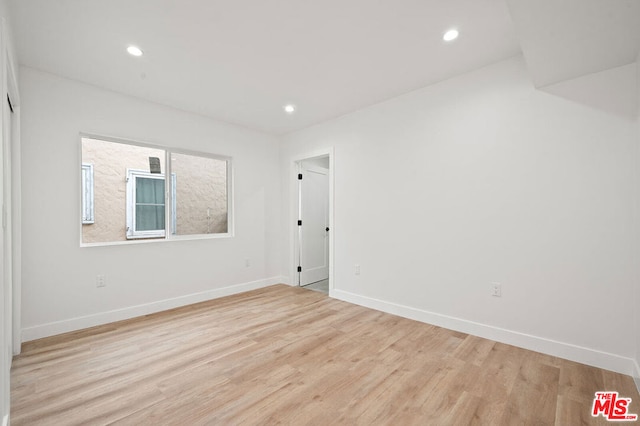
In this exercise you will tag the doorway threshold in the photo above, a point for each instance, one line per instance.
(320, 286)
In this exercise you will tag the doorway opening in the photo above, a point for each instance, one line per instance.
(313, 223)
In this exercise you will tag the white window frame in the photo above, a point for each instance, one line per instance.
(170, 215)
(87, 194)
(132, 233)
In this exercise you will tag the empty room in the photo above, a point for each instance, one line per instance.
(222, 212)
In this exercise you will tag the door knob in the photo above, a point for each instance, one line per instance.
(327, 229)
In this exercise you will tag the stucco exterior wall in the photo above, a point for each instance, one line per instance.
(201, 194)
(201, 191)
(110, 163)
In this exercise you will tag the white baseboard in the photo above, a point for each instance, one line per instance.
(288, 281)
(285, 280)
(5, 420)
(568, 351)
(636, 375)
(79, 323)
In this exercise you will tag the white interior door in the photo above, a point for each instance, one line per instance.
(314, 231)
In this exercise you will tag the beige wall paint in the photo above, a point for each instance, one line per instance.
(110, 163)
(201, 190)
(201, 194)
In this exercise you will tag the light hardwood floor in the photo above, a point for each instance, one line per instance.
(284, 355)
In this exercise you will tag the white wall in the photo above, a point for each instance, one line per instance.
(482, 179)
(7, 291)
(5, 17)
(59, 289)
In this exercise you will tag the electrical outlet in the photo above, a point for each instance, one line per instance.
(101, 281)
(247, 263)
(356, 269)
(496, 289)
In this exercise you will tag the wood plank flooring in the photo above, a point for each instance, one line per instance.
(283, 355)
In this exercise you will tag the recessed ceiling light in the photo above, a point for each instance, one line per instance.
(289, 109)
(450, 35)
(134, 50)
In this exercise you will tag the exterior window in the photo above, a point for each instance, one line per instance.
(87, 194)
(201, 192)
(126, 195)
(146, 204)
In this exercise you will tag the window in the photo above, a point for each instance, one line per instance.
(132, 200)
(87, 193)
(146, 204)
(201, 194)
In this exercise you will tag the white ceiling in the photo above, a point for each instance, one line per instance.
(241, 60)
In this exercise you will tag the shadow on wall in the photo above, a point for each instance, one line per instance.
(610, 91)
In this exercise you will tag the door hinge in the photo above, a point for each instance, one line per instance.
(299, 176)
(299, 223)
(299, 268)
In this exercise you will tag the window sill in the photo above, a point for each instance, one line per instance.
(160, 240)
